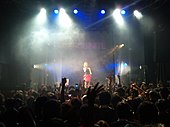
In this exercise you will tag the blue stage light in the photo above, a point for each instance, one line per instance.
(103, 12)
(75, 11)
(123, 12)
(56, 11)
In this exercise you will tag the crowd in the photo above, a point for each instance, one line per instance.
(139, 105)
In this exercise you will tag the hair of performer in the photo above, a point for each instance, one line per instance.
(87, 75)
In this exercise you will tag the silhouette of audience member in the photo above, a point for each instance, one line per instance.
(164, 92)
(38, 107)
(52, 114)
(74, 113)
(147, 114)
(102, 123)
(106, 112)
(164, 111)
(115, 100)
(125, 116)
(26, 118)
(153, 96)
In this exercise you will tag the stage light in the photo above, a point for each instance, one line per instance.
(56, 11)
(62, 11)
(34, 66)
(75, 11)
(123, 68)
(118, 17)
(125, 64)
(123, 12)
(140, 67)
(37, 66)
(64, 19)
(41, 18)
(102, 12)
(137, 14)
(122, 45)
(43, 11)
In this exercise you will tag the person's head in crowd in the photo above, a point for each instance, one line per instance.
(84, 114)
(52, 109)
(54, 123)
(38, 106)
(134, 93)
(135, 103)
(51, 95)
(10, 117)
(19, 94)
(84, 99)
(65, 108)
(121, 92)
(144, 86)
(18, 103)
(102, 123)
(162, 105)
(115, 99)
(26, 118)
(10, 103)
(147, 113)
(30, 102)
(104, 98)
(164, 92)
(124, 111)
(153, 96)
(76, 103)
(35, 94)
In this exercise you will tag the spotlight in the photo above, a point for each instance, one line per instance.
(75, 11)
(122, 45)
(64, 19)
(41, 17)
(140, 67)
(118, 17)
(62, 10)
(125, 64)
(137, 14)
(34, 66)
(123, 12)
(102, 12)
(43, 11)
(56, 11)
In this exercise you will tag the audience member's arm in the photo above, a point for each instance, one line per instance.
(62, 89)
(91, 95)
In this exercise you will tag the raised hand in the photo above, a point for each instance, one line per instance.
(64, 80)
(92, 93)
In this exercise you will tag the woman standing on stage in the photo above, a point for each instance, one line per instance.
(87, 75)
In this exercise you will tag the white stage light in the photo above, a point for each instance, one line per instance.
(137, 14)
(41, 18)
(123, 68)
(122, 45)
(118, 17)
(64, 19)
